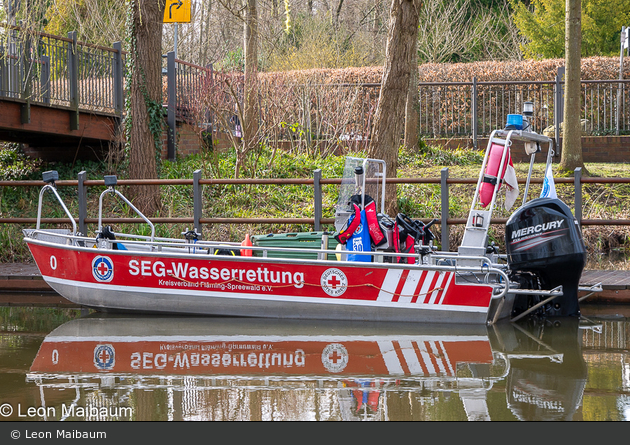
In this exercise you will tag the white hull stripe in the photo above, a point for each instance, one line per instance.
(390, 283)
(438, 283)
(418, 357)
(248, 296)
(261, 338)
(390, 357)
(446, 286)
(426, 286)
(411, 283)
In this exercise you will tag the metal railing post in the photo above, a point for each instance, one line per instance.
(73, 79)
(82, 192)
(197, 202)
(118, 79)
(317, 196)
(45, 79)
(474, 112)
(4, 74)
(26, 65)
(14, 69)
(172, 103)
(577, 185)
(620, 85)
(444, 193)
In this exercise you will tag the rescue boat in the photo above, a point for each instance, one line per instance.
(381, 268)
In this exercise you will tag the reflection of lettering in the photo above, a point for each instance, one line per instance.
(186, 360)
(530, 399)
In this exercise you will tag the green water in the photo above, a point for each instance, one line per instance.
(59, 365)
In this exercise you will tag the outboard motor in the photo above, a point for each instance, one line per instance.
(545, 249)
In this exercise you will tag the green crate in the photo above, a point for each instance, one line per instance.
(302, 240)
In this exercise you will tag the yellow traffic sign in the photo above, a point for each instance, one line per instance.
(177, 11)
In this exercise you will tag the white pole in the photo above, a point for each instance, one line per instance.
(175, 40)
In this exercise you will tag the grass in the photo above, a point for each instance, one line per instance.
(605, 201)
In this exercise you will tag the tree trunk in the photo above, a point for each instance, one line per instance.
(412, 110)
(572, 131)
(250, 112)
(145, 95)
(390, 111)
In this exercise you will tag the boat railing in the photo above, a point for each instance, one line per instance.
(110, 183)
(130, 381)
(50, 177)
(483, 272)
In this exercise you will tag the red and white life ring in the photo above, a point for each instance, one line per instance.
(490, 176)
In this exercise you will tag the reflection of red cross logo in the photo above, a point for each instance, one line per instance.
(335, 356)
(102, 268)
(333, 281)
(103, 356)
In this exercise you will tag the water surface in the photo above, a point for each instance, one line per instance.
(58, 365)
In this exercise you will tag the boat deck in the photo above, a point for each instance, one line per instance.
(21, 284)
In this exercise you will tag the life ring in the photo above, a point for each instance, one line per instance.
(490, 175)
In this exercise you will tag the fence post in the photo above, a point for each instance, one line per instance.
(197, 202)
(171, 89)
(4, 75)
(577, 185)
(444, 192)
(45, 79)
(474, 112)
(14, 68)
(558, 106)
(118, 79)
(26, 83)
(317, 196)
(620, 85)
(82, 192)
(73, 79)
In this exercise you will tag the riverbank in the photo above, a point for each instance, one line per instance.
(21, 284)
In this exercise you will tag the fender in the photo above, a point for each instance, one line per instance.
(490, 175)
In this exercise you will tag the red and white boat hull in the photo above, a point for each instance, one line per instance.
(198, 283)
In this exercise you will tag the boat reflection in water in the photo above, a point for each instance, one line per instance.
(165, 368)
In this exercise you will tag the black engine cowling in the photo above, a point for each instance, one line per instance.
(543, 239)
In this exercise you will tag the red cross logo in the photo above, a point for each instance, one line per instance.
(334, 282)
(335, 357)
(102, 268)
(103, 355)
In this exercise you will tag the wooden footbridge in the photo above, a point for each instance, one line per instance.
(65, 98)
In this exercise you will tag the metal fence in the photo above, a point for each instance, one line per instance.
(45, 69)
(39, 68)
(474, 109)
(344, 112)
(186, 90)
(317, 220)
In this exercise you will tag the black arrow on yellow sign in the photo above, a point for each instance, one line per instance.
(170, 8)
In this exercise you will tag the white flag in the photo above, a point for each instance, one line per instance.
(511, 194)
(549, 187)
